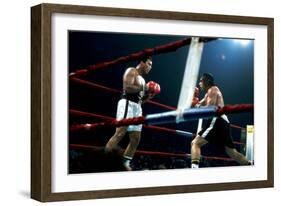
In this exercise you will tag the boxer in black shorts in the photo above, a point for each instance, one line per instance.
(215, 130)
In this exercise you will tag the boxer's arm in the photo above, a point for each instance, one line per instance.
(129, 81)
(147, 97)
(152, 89)
(195, 99)
(202, 102)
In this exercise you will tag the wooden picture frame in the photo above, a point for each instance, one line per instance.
(41, 98)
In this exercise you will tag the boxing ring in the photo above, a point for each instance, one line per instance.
(150, 122)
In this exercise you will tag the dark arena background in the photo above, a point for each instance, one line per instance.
(229, 60)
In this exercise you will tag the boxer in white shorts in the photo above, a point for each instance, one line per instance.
(128, 109)
(135, 92)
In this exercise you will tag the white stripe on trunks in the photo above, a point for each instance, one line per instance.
(209, 128)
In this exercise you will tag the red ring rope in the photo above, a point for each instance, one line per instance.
(143, 152)
(142, 120)
(85, 114)
(80, 113)
(237, 127)
(117, 91)
(173, 46)
(136, 56)
(237, 108)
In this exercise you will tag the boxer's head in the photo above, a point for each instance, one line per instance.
(206, 81)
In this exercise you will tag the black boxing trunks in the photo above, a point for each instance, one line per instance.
(217, 131)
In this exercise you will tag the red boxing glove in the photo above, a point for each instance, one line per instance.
(195, 101)
(153, 87)
(196, 92)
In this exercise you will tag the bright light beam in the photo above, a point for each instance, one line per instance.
(243, 42)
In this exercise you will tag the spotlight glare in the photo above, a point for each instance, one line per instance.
(243, 42)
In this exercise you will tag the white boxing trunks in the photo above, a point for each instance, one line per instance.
(128, 109)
